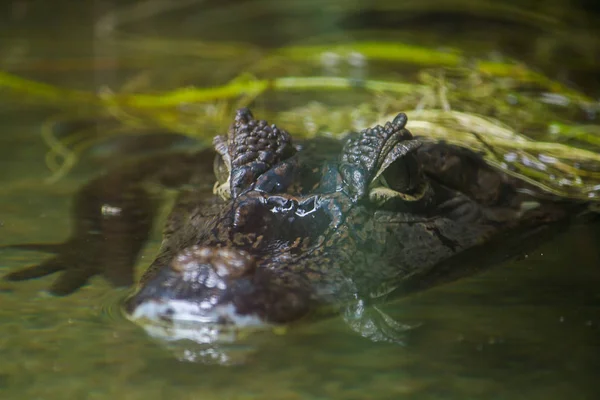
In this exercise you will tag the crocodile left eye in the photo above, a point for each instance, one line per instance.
(402, 175)
(381, 162)
(399, 179)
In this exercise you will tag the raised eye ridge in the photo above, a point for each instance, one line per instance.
(366, 156)
(251, 148)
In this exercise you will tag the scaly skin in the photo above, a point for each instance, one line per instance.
(296, 230)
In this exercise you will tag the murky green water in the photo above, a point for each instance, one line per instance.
(528, 329)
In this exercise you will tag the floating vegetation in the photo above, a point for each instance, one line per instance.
(520, 120)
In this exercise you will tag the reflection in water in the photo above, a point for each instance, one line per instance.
(209, 345)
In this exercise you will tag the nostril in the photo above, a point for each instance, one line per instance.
(191, 258)
(232, 263)
(225, 262)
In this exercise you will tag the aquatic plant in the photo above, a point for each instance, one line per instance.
(520, 120)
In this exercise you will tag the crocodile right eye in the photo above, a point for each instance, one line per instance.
(220, 169)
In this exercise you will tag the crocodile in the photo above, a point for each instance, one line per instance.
(268, 231)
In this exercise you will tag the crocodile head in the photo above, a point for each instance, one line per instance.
(294, 231)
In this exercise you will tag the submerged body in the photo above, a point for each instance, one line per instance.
(289, 231)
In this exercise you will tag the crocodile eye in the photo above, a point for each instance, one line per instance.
(220, 169)
(402, 175)
(398, 180)
(381, 158)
